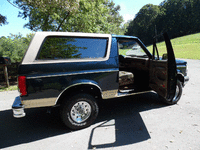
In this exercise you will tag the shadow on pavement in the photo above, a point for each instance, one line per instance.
(124, 116)
(129, 125)
(35, 126)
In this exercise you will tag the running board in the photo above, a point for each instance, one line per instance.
(120, 94)
(126, 91)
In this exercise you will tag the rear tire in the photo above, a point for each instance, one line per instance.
(176, 97)
(79, 111)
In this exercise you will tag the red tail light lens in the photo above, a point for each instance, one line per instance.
(22, 85)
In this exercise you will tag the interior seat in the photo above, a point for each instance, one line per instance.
(125, 78)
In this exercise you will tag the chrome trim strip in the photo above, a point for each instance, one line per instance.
(186, 79)
(81, 83)
(71, 74)
(181, 66)
(178, 72)
(67, 60)
(134, 93)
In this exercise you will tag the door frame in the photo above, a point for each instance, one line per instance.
(163, 73)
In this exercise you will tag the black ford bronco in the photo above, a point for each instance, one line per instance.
(76, 70)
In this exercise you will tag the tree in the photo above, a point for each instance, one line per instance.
(46, 15)
(3, 20)
(195, 16)
(59, 48)
(96, 16)
(14, 46)
(177, 17)
(143, 25)
(71, 15)
(1, 41)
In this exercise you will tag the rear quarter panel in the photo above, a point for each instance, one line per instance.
(46, 80)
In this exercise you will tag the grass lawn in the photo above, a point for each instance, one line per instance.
(11, 88)
(123, 52)
(187, 47)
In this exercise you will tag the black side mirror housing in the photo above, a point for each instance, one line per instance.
(5, 61)
(164, 57)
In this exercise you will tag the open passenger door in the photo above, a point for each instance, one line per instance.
(163, 72)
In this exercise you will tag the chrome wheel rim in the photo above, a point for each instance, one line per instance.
(80, 111)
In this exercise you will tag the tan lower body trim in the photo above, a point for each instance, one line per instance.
(115, 94)
(39, 102)
(109, 94)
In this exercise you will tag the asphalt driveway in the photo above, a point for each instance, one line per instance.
(136, 122)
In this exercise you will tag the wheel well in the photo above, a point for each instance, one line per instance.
(84, 88)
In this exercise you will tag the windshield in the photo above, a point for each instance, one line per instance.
(131, 48)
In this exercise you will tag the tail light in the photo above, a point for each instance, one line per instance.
(22, 85)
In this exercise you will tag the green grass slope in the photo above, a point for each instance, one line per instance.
(187, 47)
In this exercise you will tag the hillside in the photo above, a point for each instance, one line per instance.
(187, 47)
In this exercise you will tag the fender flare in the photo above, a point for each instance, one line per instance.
(78, 83)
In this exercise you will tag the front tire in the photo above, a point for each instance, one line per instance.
(177, 95)
(79, 111)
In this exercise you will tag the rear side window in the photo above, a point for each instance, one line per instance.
(55, 47)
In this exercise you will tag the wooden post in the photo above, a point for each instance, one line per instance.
(6, 75)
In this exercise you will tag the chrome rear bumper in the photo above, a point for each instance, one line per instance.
(186, 79)
(18, 108)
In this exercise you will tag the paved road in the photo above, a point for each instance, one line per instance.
(136, 122)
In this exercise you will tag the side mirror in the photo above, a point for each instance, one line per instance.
(164, 57)
(120, 46)
(5, 61)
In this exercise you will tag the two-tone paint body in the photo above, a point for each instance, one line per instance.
(48, 82)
